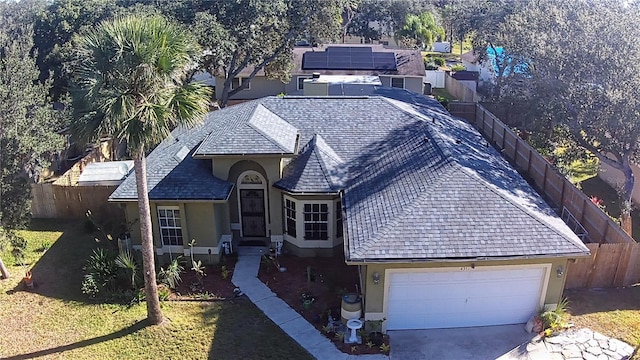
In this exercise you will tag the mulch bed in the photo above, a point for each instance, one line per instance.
(214, 285)
(330, 279)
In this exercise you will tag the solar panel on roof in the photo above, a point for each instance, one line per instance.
(349, 58)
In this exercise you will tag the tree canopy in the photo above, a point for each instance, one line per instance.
(28, 122)
(131, 83)
(582, 59)
(421, 30)
(259, 35)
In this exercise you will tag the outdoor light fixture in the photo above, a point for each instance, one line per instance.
(559, 271)
(376, 278)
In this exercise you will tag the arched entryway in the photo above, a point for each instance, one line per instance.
(252, 201)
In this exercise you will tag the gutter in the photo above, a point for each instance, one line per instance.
(460, 260)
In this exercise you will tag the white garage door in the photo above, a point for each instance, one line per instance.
(466, 297)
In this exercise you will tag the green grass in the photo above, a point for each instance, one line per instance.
(444, 93)
(55, 320)
(612, 312)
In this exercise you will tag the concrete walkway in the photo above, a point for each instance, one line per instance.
(245, 276)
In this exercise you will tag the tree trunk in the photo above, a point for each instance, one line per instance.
(3, 270)
(154, 313)
(626, 194)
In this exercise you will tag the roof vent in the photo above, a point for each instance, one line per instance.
(181, 154)
(315, 75)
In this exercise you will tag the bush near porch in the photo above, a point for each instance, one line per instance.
(330, 278)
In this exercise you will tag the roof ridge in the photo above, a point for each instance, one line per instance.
(213, 135)
(409, 207)
(260, 107)
(526, 211)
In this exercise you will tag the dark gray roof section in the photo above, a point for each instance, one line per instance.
(255, 130)
(417, 183)
(317, 169)
(172, 176)
(450, 196)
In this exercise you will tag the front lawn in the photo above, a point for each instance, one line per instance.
(612, 312)
(55, 320)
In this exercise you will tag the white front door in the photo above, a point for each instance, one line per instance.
(464, 297)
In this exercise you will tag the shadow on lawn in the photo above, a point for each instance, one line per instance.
(587, 301)
(80, 344)
(58, 273)
(243, 332)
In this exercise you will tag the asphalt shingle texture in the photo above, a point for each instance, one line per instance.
(417, 183)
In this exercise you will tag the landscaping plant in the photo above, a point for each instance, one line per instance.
(125, 261)
(553, 321)
(171, 275)
(101, 272)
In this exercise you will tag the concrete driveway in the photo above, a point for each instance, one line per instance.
(477, 343)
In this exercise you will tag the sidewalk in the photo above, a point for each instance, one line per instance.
(245, 276)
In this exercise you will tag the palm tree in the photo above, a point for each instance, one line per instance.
(130, 83)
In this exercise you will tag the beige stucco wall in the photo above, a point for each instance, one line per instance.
(202, 221)
(374, 293)
(410, 83)
(229, 168)
(131, 214)
(260, 87)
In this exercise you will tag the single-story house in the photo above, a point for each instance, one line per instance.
(399, 68)
(443, 231)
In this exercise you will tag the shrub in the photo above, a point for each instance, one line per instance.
(430, 66)
(444, 101)
(171, 275)
(125, 261)
(439, 61)
(554, 320)
(458, 67)
(163, 292)
(101, 273)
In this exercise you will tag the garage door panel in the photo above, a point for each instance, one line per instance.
(481, 297)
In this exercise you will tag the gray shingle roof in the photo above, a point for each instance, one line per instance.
(317, 169)
(174, 175)
(418, 183)
(258, 131)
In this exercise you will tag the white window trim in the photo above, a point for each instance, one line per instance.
(330, 215)
(286, 217)
(160, 227)
(298, 81)
(404, 82)
(241, 80)
(299, 240)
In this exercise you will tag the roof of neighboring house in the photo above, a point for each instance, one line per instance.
(469, 57)
(417, 183)
(408, 62)
(103, 173)
(465, 75)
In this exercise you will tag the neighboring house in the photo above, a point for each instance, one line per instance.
(443, 231)
(398, 68)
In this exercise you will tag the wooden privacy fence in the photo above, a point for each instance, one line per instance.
(554, 187)
(54, 201)
(459, 90)
(610, 265)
